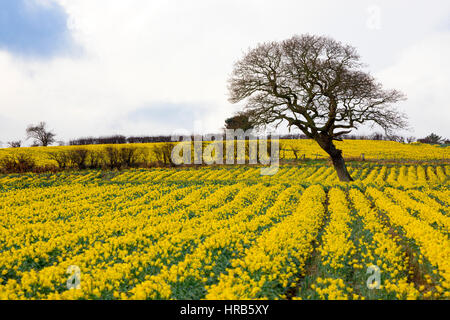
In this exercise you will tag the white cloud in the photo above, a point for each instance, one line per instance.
(423, 73)
(139, 53)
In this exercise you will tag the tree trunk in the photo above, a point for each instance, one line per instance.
(336, 157)
(339, 166)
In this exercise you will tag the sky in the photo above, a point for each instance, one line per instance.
(137, 67)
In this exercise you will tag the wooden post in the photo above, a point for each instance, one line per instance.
(362, 157)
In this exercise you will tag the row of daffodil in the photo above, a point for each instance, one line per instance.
(33, 220)
(429, 211)
(434, 246)
(384, 252)
(175, 238)
(46, 227)
(60, 177)
(103, 235)
(336, 243)
(338, 252)
(167, 247)
(149, 258)
(336, 249)
(373, 246)
(440, 196)
(276, 261)
(407, 176)
(202, 266)
(353, 241)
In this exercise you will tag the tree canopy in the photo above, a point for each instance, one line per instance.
(40, 134)
(315, 84)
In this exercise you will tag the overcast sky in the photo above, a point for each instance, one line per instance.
(98, 67)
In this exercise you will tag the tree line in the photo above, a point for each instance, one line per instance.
(104, 157)
(44, 137)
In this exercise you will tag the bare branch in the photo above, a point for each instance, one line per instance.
(315, 84)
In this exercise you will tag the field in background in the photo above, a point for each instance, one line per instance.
(147, 155)
(227, 232)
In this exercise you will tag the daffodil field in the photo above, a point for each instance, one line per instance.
(289, 149)
(226, 232)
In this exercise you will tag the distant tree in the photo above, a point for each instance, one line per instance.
(395, 138)
(162, 152)
(317, 85)
(410, 139)
(115, 139)
(112, 157)
(61, 157)
(431, 139)
(239, 121)
(17, 162)
(15, 144)
(83, 141)
(40, 134)
(78, 157)
(377, 136)
(129, 156)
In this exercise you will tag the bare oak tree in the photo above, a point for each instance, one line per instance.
(316, 84)
(40, 134)
(238, 121)
(15, 144)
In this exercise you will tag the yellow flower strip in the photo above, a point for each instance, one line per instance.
(373, 173)
(336, 242)
(432, 177)
(278, 255)
(424, 211)
(105, 245)
(381, 177)
(434, 245)
(424, 196)
(441, 175)
(336, 248)
(421, 177)
(160, 245)
(441, 195)
(387, 254)
(59, 231)
(232, 236)
(392, 176)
